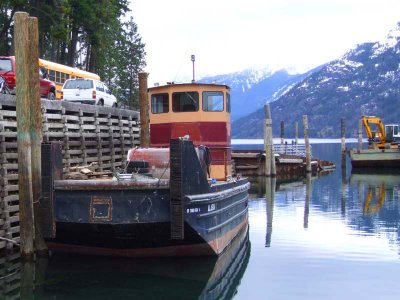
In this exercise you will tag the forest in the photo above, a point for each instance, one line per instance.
(92, 35)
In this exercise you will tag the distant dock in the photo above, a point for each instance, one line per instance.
(290, 160)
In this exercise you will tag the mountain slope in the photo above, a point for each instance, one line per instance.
(365, 81)
(250, 89)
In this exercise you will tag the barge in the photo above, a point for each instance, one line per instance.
(375, 158)
(383, 145)
(176, 198)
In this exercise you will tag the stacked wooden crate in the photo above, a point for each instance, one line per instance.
(88, 134)
(9, 208)
(91, 134)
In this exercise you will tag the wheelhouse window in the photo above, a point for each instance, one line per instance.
(159, 103)
(213, 101)
(185, 101)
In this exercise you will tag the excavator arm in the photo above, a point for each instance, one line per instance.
(378, 136)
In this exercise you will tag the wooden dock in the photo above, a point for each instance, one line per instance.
(290, 161)
(88, 134)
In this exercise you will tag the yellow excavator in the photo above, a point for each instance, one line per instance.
(379, 135)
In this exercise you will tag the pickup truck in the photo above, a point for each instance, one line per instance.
(7, 70)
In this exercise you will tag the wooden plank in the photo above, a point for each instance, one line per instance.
(8, 114)
(245, 155)
(290, 160)
(53, 134)
(89, 152)
(52, 116)
(9, 134)
(71, 119)
(8, 124)
(75, 152)
(11, 208)
(246, 167)
(69, 126)
(86, 120)
(11, 198)
(75, 135)
(52, 126)
(10, 188)
(88, 127)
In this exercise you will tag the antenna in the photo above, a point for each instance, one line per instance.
(193, 60)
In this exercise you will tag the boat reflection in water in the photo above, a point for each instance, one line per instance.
(77, 277)
(375, 187)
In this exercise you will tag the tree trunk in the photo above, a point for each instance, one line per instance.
(72, 46)
(93, 59)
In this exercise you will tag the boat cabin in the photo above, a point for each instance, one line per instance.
(200, 112)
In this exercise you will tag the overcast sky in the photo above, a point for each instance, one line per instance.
(232, 35)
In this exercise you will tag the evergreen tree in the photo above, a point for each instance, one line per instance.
(88, 34)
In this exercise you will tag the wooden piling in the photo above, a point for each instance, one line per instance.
(270, 167)
(282, 132)
(267, 141)
(144, 111)
(343, 135)
(343, 146)
(307, 142)
(27, 228)
(35, 128)
(296, 133)
(360, 134)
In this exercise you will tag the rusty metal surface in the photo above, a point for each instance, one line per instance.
(108, 184)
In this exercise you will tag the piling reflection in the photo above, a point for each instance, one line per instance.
(290, 190)
(72, 277)
(307, 201)
(270, 186)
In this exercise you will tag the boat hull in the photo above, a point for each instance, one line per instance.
(136, 223)
(199, 248)
(144, 216)
(375, 158)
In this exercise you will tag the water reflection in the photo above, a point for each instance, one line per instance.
(368, 203)
(72, 277)
(378, 194)
(312, 240)
(270, 186)
(10, 276)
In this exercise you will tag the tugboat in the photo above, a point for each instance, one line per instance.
(176, 198)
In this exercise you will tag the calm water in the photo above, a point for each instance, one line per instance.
(332, 237)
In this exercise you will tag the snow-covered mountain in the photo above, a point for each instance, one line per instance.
(364, 81)
(251, 88)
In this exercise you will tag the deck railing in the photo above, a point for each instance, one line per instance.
(290, 149)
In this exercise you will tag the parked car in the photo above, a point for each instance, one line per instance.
(87, 91)
(7, 70)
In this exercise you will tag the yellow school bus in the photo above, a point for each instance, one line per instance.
(59, 73)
